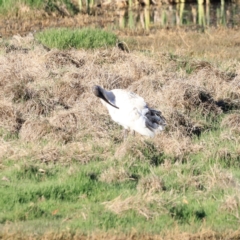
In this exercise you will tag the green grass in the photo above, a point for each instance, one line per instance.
(64, 38)
(71, 196)
(10, 6)
(32, 3)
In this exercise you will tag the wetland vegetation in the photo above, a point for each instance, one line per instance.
(26, 16)
(65, 171)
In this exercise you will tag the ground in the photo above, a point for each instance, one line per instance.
(66, 171)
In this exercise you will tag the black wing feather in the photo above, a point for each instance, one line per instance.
(154, 119)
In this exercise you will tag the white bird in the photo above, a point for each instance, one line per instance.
(131, 111)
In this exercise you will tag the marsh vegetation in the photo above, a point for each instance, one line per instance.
(132, 17)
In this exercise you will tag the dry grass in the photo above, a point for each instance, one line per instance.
(232, 121)
(170, 235)
(191, 98)
(48, 114)
(204, 47)
(150, 184)
(9, 118)
(138, 203)
(50, 92)
(117, 174)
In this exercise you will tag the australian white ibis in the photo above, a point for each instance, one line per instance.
(131, 111)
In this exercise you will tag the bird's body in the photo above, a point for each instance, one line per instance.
(131, 111)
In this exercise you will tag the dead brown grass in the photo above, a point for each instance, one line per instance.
(231, 204)
(137, 202)
(168, 235)
(151, 184)
(232, 122)
(9, 118)
(46, 94)
(222, 41)
(46, 101)
(33, 130)
(116, 174)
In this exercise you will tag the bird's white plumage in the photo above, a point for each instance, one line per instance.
(131, 112)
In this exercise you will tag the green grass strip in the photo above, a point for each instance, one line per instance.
(88, 38)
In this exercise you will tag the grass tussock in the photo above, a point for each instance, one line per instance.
(64, 164)
(232, 122)
(64, 38)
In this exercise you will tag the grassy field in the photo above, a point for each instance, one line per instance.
(66, 172)
(65, 38)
